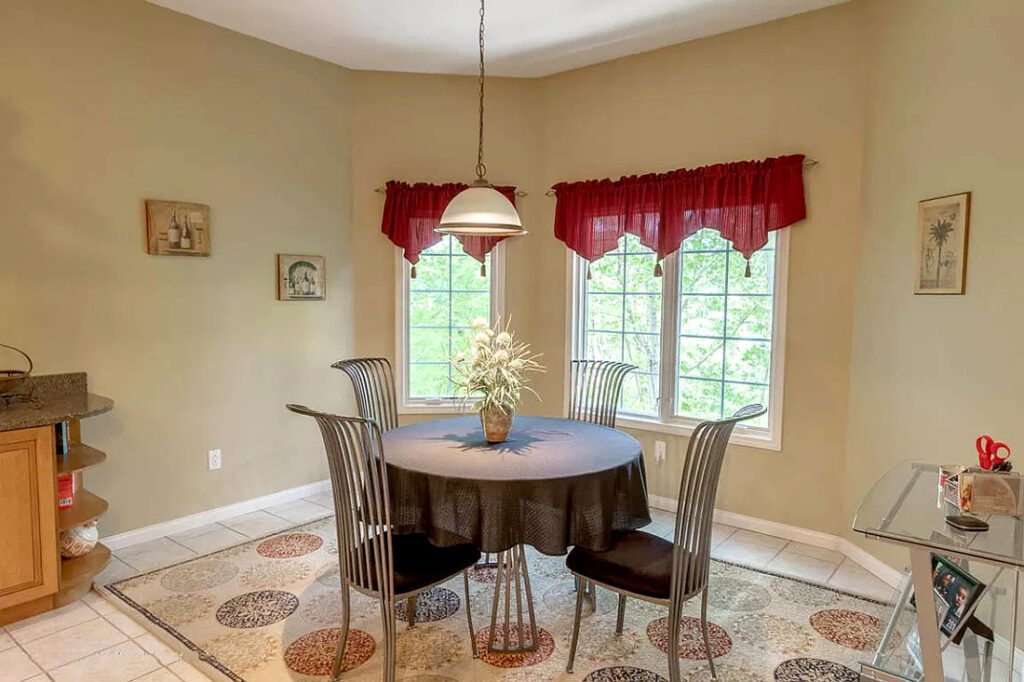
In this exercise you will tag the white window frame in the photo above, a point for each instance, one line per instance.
(770, 437)
(407, 405)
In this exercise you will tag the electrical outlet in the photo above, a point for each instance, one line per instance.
(659, 452)
(214, 459)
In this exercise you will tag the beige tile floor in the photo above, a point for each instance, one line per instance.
(91, 640)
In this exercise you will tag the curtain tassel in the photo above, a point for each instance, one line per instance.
(483, 269)
(747, 272)
(412, 273)
(657, 269)
(589, 275)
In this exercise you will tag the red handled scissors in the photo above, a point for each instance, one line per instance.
(989, 456)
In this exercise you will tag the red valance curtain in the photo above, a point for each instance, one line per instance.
(411, 212)
(744, 201)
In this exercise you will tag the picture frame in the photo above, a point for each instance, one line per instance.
(177, 228)
(301, 278)
(956, 593)
(943, 226)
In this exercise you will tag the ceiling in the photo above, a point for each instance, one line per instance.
(528, 38)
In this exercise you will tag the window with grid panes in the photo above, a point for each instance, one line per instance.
(440, 305)
(725, 328)
(704, 318)
(623, 321)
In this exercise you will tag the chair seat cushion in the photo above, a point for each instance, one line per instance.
(637, 562)
(419, 564)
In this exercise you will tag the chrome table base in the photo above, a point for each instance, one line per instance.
(512, 581)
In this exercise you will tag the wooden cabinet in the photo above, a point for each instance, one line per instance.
(29, 559)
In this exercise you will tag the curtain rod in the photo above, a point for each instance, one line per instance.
(519, 193)
(808, 163)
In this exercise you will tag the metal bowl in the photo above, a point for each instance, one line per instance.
(11, 380)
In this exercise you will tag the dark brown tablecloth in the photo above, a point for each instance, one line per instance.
(555, 483)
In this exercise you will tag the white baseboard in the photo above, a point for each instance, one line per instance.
(180, 525)
(887, 574)
(883, 571)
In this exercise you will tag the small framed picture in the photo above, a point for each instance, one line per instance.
(956, 594)
(301, 278)
(177, 228)
(942, 225)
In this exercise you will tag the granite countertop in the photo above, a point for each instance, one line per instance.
(54, 398)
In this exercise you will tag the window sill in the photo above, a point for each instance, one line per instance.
(439, 407)
(740, 435)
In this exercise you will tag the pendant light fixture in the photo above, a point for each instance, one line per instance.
(480, 209)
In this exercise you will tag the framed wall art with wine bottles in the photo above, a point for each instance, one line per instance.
(177, 228)
(301, 278)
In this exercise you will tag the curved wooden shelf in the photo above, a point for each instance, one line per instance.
(87, 507)
(74, 571)
(81, 456)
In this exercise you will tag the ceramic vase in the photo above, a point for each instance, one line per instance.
(496, 423)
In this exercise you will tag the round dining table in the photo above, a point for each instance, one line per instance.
(554, 484)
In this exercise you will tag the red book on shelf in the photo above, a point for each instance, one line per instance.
(65, 491)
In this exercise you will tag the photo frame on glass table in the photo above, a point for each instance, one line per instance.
(956, 593)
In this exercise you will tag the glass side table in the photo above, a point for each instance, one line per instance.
(905, 508)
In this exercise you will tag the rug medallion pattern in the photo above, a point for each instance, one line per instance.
(269, 610)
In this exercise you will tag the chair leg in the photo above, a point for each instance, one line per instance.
(576, 625)
(339, 656)
(387, 608)
(622, 614)
(704, 631)
(469, 615)
(591, 590)
(410, 610)
(673, 644)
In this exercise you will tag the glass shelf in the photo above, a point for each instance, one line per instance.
(904, 506)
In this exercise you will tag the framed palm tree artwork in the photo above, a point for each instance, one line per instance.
(942, 225)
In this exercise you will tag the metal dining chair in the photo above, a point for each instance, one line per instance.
(651, 568)
(372, 559)
(595, 387)
(374, 385)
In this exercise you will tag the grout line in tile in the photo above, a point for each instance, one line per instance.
(168, 537)
(278, 517)
(93, 653)
(832, 574)
(128, 563)
(43, 668)
(775, 556)
(162, 667)
(95, 617)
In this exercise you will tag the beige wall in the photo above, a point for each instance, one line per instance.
(930, 373)
(103, 104)
(790, 86)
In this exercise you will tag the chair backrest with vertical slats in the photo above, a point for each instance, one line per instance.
(361, 504)
(374, 385)
(594, 390)
(697, 491)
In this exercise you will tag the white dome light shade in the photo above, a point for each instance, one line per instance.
(481, 211)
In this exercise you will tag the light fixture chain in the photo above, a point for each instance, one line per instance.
(481, 169)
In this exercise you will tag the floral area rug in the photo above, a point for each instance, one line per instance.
(269, 610)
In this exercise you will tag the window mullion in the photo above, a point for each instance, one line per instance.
(669, 332)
